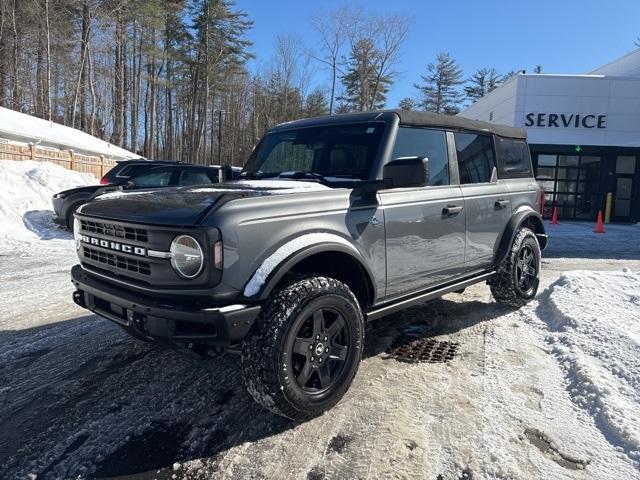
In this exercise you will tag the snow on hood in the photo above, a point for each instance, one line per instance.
(273, 186)
(282, 184)
(25, 196)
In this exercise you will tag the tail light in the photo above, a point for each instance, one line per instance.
(104, 181)
(542, 201)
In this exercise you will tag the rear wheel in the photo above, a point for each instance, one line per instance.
(518, 277)
(304, 350)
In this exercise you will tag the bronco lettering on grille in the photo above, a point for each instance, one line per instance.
(117, 246)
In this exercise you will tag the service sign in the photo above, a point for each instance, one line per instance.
(565, 120)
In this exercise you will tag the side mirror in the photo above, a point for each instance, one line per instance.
(406, 172)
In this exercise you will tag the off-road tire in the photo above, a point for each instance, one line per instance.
(505, 286)
(268, 363)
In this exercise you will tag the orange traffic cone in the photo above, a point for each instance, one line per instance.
(599, 224)
(554, 216)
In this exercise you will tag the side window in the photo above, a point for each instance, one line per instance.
(514, 158)
(194, 177)
(422, 142)
(475, 157)
(154, 178)
(133, 170)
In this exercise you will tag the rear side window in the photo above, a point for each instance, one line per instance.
(476, 159)
(514, 158)
(155, 178)
(133, 170)
(194, 177)
(422, 142)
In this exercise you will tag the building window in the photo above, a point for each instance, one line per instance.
(626, 164)
(571, 183)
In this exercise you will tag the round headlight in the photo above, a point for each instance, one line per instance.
(76, 232)
(187, 258)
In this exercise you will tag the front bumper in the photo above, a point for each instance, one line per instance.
(162, 320)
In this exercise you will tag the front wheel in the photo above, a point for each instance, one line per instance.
(518, 276)
(304, 350)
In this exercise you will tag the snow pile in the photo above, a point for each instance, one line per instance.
(26, 188)
(595, 334)
(31, 129)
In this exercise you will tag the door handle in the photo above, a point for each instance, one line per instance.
(500, 204)
(451, 210)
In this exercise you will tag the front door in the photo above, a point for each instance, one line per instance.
(624, 186)
(424, 227)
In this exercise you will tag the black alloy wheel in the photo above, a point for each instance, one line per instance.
(319, 350)
(526, 268)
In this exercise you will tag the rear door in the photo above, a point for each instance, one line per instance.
(516, 171)
(486, 199)
(425, 225)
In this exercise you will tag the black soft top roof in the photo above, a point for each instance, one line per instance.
(423, 119)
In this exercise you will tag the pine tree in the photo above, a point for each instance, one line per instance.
(408, 103)
(482, 82)
(440, 93)
(316, 104)
(360, 79)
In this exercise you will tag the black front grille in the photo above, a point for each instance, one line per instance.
(117, 261)
(114, 230)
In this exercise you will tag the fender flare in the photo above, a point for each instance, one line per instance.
(283, 267)
(519, 217)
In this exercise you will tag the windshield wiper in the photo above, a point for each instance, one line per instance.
(301, 174)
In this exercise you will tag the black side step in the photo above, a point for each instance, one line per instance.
(405, 302)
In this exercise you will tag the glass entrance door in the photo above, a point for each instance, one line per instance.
(625, 172)
(571, 183)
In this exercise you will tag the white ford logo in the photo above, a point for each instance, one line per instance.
(117, 246)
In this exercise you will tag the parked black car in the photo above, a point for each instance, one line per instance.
(128, 169)
(133, 177)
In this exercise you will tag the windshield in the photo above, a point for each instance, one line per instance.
(339, 151)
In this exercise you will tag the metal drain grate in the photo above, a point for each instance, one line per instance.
(424, 350)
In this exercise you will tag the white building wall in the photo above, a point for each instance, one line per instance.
(497, 107)
(616, 97)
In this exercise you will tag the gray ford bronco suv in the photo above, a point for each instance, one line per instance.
(335, 221)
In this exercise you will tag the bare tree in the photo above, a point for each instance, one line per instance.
(389, 34)
(331, 28)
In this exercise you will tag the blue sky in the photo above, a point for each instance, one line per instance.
(564, 36)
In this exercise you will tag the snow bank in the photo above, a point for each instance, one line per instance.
(27, 128)
(595, 334)
(26, 188)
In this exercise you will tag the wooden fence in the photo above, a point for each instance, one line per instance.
(97, 165)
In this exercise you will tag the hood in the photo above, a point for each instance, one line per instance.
(86, 189)
(185, 206)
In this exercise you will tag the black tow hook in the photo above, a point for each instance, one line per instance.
(78, 299)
